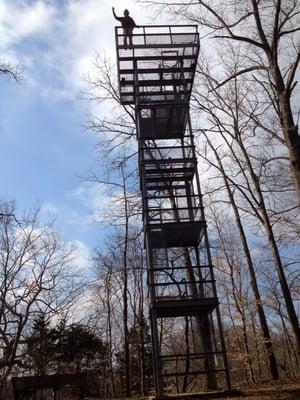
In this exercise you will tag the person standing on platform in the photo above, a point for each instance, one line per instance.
(128, 24)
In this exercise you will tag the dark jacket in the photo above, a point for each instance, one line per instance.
(127, 22)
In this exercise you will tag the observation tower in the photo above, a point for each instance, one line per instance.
(156, 77)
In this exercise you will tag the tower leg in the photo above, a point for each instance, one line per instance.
(155, 354)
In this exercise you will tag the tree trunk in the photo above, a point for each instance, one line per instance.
(246, 343)
(203, 326)
(110, 356)
(125, 289)
(257, 347)
(188, 361)
(289, 343)
(235, 330)
(253, 281)
(142, 322)
(290, 130)
(276, 256)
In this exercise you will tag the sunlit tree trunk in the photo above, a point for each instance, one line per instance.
(253, 281)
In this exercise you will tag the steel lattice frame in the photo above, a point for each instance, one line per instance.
(156, 76)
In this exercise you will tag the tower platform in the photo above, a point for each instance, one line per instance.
(174, 234)
(161, 65)
(182, 307)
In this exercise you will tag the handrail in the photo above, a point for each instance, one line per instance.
(181, 268)
(170, 31)
(161, 34)
(179, 282)
(165, 357)
(165, 26)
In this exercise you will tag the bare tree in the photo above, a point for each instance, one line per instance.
(241, 158)
(36, 276)
(266, 35)
(124, 208)
(253, 170)
(109, 309)
(251, 266)
(114, 128)
(105, 303)
(11, 71)
(236, 285)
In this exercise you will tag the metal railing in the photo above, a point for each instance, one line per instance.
(166, 35)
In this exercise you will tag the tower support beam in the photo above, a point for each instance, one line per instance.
(156, 77)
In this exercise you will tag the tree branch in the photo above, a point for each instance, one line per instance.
(243, 71)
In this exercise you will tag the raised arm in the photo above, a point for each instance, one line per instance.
(114, 14)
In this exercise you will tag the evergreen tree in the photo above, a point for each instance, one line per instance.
(40, 346)
(78, 349)
(63, 349)
(141, 373)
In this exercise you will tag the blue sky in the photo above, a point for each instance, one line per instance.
(44, 147)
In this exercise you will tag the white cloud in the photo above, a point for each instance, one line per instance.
(73, 218)
(86, 27)
(49, 209)
(19, 20)
(82, 255)
(82, 252)
(93, 197)
(82, 208)
(63, 39)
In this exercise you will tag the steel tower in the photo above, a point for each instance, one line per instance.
(156, 76)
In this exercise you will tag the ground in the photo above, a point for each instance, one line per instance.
(284, 390)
